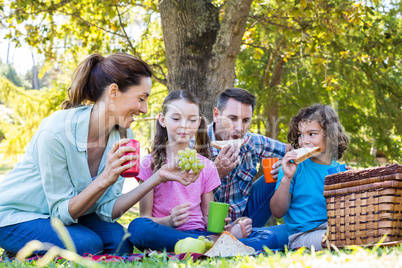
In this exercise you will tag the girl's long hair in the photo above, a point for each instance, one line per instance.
(96, 73)
(161, 137)
(326, 116)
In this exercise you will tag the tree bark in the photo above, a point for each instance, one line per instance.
(201, 51)
(35, 82)
(271, 111)
(272, 79)
(8, 51)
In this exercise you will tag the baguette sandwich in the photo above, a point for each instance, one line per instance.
(220, 144)
(228, 246)
(306, 152)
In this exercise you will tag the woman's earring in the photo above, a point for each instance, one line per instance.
(112, 106)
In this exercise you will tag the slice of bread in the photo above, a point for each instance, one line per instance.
(220, 144)
(228, 246)
(306, 152)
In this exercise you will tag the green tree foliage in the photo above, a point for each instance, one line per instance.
(8, 71)
(331, 52)
(89, 25)
(294, 53)
(26, 111)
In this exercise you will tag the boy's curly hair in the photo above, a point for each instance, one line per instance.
(325, 115)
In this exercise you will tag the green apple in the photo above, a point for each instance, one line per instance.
(177, 247)
(189, 244)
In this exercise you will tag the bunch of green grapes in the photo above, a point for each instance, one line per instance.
(188, 159)
(208, 243)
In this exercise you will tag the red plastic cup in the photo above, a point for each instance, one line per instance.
(267, 164)
(133, 171)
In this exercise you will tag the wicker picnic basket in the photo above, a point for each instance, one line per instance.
(364, 205)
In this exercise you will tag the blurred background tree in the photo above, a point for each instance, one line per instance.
(290, 54)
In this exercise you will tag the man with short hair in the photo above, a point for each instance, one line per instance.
(238, 167)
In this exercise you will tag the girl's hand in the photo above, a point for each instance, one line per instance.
(172, 172)
(289, 168)
(179, 214)
(114, 162)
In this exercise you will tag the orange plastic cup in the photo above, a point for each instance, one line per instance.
(267, 164)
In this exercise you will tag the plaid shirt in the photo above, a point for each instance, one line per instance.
(235, 188)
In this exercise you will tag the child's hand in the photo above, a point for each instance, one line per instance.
(289, 168)
(179, 214)
(172, 172)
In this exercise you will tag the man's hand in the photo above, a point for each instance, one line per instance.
(277, 165)
(227, 159)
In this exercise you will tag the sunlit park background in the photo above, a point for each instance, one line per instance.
(290, 54)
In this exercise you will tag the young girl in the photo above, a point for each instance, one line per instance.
(171, 212)
(299, 190)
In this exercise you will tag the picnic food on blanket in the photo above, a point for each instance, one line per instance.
(188, 159)
(134, 170)
(220, 144)
(188, 245)
(228, 246)
(208, 243)
(306, 152)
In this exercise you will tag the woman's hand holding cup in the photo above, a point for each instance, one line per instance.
(115, 159)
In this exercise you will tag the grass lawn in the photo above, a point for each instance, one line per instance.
(352, 257)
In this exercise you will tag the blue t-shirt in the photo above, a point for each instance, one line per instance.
(308, 208)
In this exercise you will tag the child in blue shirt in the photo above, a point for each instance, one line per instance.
(298, 196)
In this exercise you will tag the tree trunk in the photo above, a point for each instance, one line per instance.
(272, 79)
(8, 51)
(35, 82)
(201, 51)
(271, 111)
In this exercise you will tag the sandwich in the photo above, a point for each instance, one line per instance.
(220, 144)
(306, 152)
(228, 246)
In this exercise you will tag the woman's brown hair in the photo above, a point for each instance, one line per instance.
(96, 73)
(326, 116)
(161, 137)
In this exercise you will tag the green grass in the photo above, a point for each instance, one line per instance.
(354, 257)
(128, 217)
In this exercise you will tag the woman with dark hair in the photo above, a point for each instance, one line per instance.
(71, 168)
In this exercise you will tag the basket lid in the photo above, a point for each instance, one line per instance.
(353, 175)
